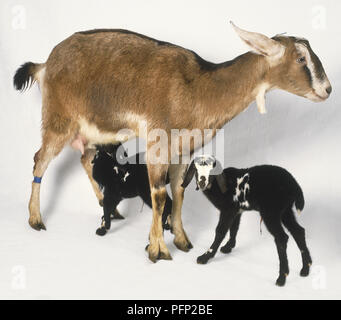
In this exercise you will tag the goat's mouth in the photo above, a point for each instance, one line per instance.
(313, 96)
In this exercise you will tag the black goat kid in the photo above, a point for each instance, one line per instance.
(120, 177)
(268, 189)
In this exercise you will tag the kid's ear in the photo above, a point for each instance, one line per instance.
(220, 176)
(189, 175)
(221, 180)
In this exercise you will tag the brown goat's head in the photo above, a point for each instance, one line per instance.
(294, 67)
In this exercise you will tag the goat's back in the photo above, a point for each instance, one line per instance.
(274, 187)
(106, 73)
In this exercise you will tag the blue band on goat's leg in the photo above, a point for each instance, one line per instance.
(37, 179)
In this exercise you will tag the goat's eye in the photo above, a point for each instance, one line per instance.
(301, 60)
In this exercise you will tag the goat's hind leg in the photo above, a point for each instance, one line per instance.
(273, 224)
(298, 234)
(52, 144)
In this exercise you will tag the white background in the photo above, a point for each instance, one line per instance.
(70, 261)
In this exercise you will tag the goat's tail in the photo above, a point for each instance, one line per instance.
(299, 198)
(26, 75)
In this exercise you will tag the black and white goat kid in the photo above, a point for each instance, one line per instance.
(271, 190)
(120, 177)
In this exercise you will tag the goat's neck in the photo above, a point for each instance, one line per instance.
(230, 89)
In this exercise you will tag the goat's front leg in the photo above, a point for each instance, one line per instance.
(157, 248)
(225, 220)
(110, 202)
(227, 248)
(176, 173)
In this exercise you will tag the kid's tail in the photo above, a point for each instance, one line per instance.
(299, 199)
(26, 75)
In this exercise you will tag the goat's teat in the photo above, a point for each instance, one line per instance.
(78, 143)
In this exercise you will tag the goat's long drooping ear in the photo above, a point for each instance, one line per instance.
(221, 180)
(189, 175)
(260, 43)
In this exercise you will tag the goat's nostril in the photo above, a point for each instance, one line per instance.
(329, 90)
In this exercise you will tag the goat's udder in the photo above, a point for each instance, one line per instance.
(78, 143)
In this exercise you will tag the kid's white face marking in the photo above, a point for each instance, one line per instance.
(204, 172)
(204, 165)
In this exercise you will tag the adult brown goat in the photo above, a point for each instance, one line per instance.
(97, 82)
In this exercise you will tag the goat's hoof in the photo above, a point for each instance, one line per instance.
(101, 231)
(165, 256)
(304, 271)
(152, 258)
(37, 225)
(155, 255)
(183, 246)
(146, 248)
(281, 280)
(203, 259)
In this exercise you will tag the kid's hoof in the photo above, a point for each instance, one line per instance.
(146, 248)
(281, 280)
(101, 231)
(100, 203)
(116, 216)
(226, 249)
(304, 271)
(37, 226)
(166, 226)
(203, 259)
